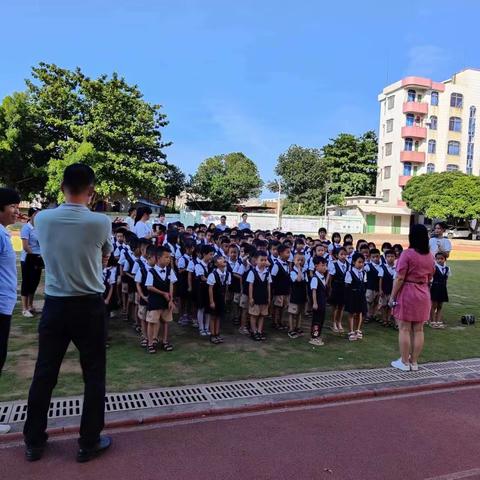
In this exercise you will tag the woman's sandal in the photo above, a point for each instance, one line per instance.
(167, 347)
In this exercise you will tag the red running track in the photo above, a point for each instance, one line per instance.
(430, 435)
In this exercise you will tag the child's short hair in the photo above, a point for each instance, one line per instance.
(232, 247)
(374, 251)
(348, 244)
(300, 256)
(322, 230)
(389, 252)
(282, 248)
(357, 256)
(224, 240)
(441, 254)
(159, 251)
(121, 229)
(386, 246)
(216, 258)
(144, 242)
(151, 251)
(133, 242)
(397, 246)
(340, 249)
(260, 253)
(206, 249)
(319, 260)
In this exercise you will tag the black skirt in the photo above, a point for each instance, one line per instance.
(355, 301)
(337, 297)
(439, 293)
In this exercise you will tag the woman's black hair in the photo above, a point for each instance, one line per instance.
(336, 235)
(349, 237)
(359, 242)
(418, 238)
(141, 211)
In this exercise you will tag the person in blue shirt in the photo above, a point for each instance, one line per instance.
(244, 225)
(9, 200)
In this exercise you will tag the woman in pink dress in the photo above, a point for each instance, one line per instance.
(410, 297)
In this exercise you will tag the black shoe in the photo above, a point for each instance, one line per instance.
(32, 454)
(87, 454)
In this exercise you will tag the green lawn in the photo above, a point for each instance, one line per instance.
(194, 360)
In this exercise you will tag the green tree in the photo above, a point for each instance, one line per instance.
(226, 179)
(175, 180)
(451, 195)
(22, 146)
(104, 122)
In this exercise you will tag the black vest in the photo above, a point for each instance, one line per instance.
(387, 281)
(235, 285)
(298, 292)
(339, 276)
(373, 280)
(440, 278)
(321, 291)
(155, 300)
(260, 288)
(219, 289)
(144, 273)
(281, 281)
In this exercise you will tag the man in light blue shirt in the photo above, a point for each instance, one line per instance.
(244, 225)
(74, 243)
(9, 200)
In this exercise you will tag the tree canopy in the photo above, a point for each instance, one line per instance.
(226, 179)
(64, 116)
(452, 195)
(346, 166)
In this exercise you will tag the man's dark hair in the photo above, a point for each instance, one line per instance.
(8, 196)
(78, 177)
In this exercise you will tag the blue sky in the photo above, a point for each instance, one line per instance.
(251, 76)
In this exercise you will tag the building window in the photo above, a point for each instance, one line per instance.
(430, 168)
(391, 102)
(389, 125)
(386, 195)
(387, 173)
(455, 124)
(456, 100)
(471, 137)
(407, 169)
(388, 149)
(452, 168)
(433, 122)
(411, 95)
(434, 99)
(432, 146)
(408, 144)
(453, 148)
(410, 119)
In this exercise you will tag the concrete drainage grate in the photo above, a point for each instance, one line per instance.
(177, 396)
(15, 412)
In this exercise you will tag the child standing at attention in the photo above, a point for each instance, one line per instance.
(438, 290)
(318, 286)
(386, 286)
(218, 281)
(355, 301)
(280, 273)
(236, 269)
(248, 263)
(182, 293)
(202, 269)
(298, 296)
(374, 273)
(259, 295)
(336, 286)
(159, 283)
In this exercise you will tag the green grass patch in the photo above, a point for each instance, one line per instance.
(194, 360)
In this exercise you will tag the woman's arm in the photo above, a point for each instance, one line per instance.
(26, 246)
(397, 286)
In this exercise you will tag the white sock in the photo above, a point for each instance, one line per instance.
(200, 318)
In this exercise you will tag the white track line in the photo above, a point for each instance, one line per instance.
(458, 475)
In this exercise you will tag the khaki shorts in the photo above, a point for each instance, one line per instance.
(258, 310)
(142, 312)
(383, 301)
(371, 296)
(296, 308)
(281, 300)
(243, 301)
(124, 287)
(154, 316)
(237, 297)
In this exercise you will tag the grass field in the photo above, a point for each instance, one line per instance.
(194, 360)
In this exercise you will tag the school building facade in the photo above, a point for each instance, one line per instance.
(425, 126)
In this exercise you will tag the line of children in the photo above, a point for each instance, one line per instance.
(250, 277)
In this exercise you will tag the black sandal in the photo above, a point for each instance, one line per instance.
(144, 342)
(151, 349)
(167, 347)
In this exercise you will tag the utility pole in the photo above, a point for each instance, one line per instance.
(279, 204)
(327, 186)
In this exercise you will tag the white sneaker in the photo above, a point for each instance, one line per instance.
(4, 428)
(400, 365)
(414, 367)
(208, 333)
(27, 314)
(203, 333)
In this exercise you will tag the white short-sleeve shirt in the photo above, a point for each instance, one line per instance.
(141, 229)
(162, 272)
(440, 245)
(211, 280)
(262, 274)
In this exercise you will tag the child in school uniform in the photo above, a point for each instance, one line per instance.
(202, 269)
(109, 281)
(438, 290)
(236, 269)
(218, 281)
(298, 296)
(159, 283)
(181, 290)
(355, 300)
(247, 253)
(259, 295)
(318, 287)
(386, 286)
(336, 242)
(127, 262)
(386, 246)
(350, 251)
(280, 273)
(191, 285)
(336, 287)
(374, 273)
(144, 267)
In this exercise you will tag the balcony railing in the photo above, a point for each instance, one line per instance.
(418, 108)
(414, 132)
(403, 180)
(412, 156)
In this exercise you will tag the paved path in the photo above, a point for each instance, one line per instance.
(423, 436)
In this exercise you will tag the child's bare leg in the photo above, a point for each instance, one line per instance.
(360, 321)
(253, 323)
(243, 317)
(438, 313)
(290, 322)
(260, 324)
(151, 332)
(339, 317)
(298, 323)
(351, 321)
(165, 332)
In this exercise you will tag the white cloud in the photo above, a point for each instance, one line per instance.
(427, 60)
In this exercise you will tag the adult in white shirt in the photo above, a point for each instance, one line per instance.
(223, 223)
(141, 228)
(439, 243)
(130, 219)
(244, 225)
